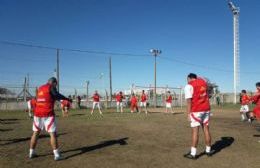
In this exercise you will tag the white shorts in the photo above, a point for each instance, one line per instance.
(143, 104)
(119, 104)
(244, 109)
(29, 105)
(39, 123)
(199, 118)
(96, 104)
(168, 105)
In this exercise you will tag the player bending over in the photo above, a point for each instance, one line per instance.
(65, 106)
(119, 102)
(31, 107)
(168, 100)
(44, 117)
(244, 110)
(256, 100)
(96, 102)
(134, 103)
(198, 110)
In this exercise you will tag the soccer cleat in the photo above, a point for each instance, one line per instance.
(58, 157)
(33, 155)
(190, 156)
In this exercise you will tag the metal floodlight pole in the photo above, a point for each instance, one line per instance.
(155, 53)
(110, 79)
(58, 69)
(235, 11)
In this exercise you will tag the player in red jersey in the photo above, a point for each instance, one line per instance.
(134, 103)
(244, 110)
(65, 106)
(198, 109)
(31, 107)
(143, 103)
(119, 102)
(256, 100)
(44, 117)
(168, 102)
(96, 102)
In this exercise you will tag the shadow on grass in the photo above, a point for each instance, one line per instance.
(9, 121)
(222, 144)
(17, 140)
(256, 135)
(175, 113)
(5, 130)
(101, 145)
(74, 115)
(219, 145)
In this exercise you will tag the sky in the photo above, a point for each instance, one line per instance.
(194, 36)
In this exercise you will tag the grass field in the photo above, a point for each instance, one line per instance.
(131, 140)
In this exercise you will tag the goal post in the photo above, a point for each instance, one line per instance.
(176, 92)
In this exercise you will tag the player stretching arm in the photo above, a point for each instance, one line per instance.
(198, 111)
(44, 117)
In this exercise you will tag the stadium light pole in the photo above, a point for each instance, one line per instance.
(58, 68)
(155, 53)
(235, 11)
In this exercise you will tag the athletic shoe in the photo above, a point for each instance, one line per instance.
(57, 158)
(33, 155)
(251, 120)
(190, 156)
(209, 154)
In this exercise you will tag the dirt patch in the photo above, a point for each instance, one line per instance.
(131, 140)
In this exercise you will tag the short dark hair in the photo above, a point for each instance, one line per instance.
(53, 80)
(243, 91)
(192, 76)
(257, 84)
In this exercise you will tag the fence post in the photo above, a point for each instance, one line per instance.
(181, 97)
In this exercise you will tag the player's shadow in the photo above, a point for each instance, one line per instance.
(222, 144)
(9, 121)
(74, 115)
(101, 145)
(17, 140)
(5, 130)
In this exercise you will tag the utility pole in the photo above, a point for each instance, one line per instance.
(110, 79)
(235, 11)
(87, 86)
(155, 53)
(28, 82)
(58, 69)
(25, 89)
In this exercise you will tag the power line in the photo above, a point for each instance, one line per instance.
(72, 50)
(122, 54)
(205, 67)
(6, 58)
